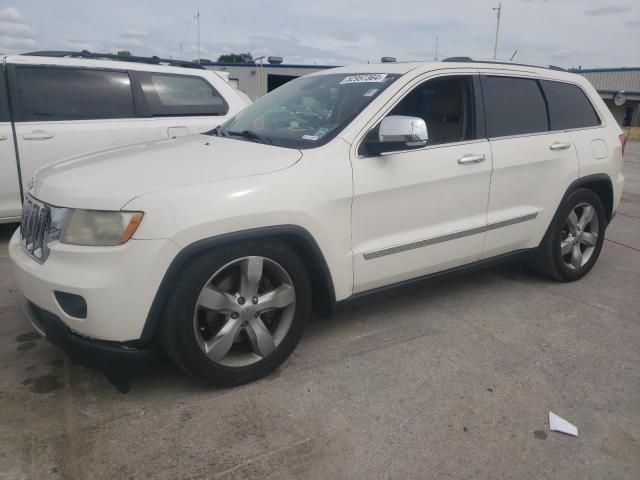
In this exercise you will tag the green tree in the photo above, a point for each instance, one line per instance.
(124, 53)
(236, 58)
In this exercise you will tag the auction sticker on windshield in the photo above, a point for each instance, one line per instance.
(365, 78)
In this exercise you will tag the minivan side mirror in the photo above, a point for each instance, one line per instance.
(397, 132)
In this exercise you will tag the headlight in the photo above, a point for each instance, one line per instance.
(99, 228)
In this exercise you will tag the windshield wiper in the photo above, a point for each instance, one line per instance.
(250, 135)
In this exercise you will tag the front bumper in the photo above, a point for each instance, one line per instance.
(119, 362)
(118, 284)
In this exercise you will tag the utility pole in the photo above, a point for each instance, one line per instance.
(181, 56)
(497, 9)
(197, 17)
(436, 49)
(261, 88)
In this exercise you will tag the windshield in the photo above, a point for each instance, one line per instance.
(306, 112)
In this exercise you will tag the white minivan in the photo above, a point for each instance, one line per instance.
(56, 105)
(218, 247)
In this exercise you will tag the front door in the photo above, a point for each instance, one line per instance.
(416, 212)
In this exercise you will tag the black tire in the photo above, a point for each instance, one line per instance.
(176, 332)
(548, 260)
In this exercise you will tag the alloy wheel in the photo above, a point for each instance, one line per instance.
(244, 311)
(579, 236)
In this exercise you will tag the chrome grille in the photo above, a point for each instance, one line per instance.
(34, 229)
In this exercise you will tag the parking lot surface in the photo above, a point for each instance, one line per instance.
(451, 379)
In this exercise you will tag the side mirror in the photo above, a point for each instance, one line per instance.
(398, 132)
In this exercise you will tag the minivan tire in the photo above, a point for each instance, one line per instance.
(177, 334)
(549, 259)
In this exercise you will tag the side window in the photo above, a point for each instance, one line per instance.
(4, 97)
(168, 95)
(513, 106)
(446, 106)
(50, 94)
(569, 107)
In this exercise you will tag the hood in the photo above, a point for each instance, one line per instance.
(107, 180)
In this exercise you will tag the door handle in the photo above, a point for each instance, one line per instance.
(559, 145)
(467, 159)
(3, 137)
(37, 135)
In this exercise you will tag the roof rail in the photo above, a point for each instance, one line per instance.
(499, 62)
(110, 56)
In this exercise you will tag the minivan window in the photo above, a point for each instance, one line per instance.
(4, 97)
(513, 106)
(309, 111)
(50, 94)
(168, 95)
(569, 107)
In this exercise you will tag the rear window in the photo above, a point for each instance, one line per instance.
(49, 94)
(513, 106)
(569, 107)
(181, 95)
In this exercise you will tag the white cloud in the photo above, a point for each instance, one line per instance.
(15, 34)
(10, 15)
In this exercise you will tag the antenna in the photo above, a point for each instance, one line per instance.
(514, 55)
(436, 59)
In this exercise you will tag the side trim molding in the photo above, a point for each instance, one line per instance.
(450, 236)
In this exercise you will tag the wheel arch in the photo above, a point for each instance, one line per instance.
(601, 185)
(296, 237)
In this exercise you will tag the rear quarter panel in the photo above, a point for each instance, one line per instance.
(599, 149)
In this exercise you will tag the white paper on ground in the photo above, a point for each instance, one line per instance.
(559, 424)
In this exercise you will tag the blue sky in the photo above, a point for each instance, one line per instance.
(568, 33)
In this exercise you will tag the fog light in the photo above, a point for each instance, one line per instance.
(73, 305)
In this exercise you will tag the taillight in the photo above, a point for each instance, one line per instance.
(623, 142)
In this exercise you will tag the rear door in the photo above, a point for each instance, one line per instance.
(61, 112)
(10, 204)
(179, 105)
(532, 166)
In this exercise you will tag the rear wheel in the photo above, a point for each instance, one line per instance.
(237, 313)
(573, 242)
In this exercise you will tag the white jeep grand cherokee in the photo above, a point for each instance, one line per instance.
(219, 246)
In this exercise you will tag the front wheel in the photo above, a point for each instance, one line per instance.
(574, 240)
(238, 312)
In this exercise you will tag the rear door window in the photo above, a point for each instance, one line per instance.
(182, 95)
(513, 106)
(55, 94)
(569, 107)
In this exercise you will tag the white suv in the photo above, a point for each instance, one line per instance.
(56, 105)
(218, 247)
